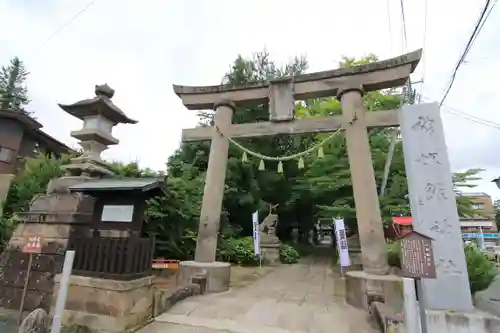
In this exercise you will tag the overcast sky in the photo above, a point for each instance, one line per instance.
(140, 48)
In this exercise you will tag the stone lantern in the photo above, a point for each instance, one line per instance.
(99, 115)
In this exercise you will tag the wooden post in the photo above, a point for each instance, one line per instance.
(25, 289)
(213, 193)
(370, 228)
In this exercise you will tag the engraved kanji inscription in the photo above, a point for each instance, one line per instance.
(435, 191)
(428, 159)
(424, 124)
(441, 227)
(447, 266)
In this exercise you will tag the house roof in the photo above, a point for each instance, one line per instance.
(35, 129)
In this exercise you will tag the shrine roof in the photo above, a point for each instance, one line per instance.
(125, 184)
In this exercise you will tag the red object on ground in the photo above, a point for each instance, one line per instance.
(165, 264)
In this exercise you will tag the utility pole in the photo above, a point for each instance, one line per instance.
(408, 98)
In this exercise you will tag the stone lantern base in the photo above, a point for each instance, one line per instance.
(362, 288)
(216, 275)
(270, 253)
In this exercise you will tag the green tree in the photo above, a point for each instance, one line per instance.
(496, 206)
(33, 180)
(246, 188)
(465, 180)
(13, 90)
(326, 183)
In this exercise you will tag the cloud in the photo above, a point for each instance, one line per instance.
(142, 48)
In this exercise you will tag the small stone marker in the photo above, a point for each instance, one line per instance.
(417, 257)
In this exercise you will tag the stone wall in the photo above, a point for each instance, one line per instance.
(13, 270)
(57, 233)
(55, 217)
(107, 305)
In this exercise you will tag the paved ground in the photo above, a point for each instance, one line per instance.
(7, 328)
(300, 298)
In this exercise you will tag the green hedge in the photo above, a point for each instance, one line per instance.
(240, 251)
(288, 255)
(237, 251)
(480, 268)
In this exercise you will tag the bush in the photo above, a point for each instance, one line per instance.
(237, 251)
(288, 255)
(393, 253)
(480, 268)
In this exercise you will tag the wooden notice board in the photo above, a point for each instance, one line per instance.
(417, 256)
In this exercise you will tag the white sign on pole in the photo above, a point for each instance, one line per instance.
(342, 243)
(256, 232)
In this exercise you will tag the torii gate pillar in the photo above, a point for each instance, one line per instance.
(370, 228)
(217, 274)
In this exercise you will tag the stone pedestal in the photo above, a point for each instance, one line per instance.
(217, 274)
(61, 185)
(107, 306)
(456, 322)
(362, 288)
(270, 253)
(55, 217)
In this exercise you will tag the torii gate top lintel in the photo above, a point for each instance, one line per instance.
(378, 75)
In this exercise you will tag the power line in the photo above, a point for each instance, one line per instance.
(404, 41)
(407, 92)
(472, 38)
(67, 23)
(485, 19)
(425, 52)
(471, 118)
(389, 22)
(465, 115)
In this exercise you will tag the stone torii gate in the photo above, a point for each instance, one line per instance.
(348, 85)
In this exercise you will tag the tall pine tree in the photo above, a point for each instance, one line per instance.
(13, 90)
